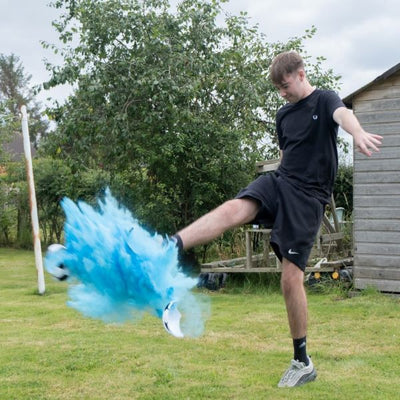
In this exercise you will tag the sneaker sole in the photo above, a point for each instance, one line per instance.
(307, 378)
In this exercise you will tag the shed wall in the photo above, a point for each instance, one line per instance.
(377, 190)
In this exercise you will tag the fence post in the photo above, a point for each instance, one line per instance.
(32, 201)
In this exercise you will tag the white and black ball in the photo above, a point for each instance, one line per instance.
(58, 271)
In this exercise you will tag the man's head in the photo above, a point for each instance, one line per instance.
(285, 64)
(288, 75)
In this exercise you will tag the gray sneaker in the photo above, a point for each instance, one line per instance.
(298, 374)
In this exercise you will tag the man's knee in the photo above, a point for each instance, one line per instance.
(240, 211)
(291, 278)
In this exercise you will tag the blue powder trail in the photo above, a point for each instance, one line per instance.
(118, 270)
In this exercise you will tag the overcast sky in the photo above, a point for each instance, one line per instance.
(359, 38)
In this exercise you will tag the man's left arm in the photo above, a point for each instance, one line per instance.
(365, 142)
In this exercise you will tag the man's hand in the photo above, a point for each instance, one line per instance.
(366, 142)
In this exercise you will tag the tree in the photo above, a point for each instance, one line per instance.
(15, 91)
(175, 106)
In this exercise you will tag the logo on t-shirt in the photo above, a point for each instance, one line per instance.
(315, 117)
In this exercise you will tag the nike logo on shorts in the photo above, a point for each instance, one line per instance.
(292, 252)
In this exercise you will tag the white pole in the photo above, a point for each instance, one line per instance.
(32, 202)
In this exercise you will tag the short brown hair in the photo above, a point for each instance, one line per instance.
(283, 64)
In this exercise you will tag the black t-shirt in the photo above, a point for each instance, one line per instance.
(307, 135)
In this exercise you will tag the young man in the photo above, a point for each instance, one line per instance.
(291, 200)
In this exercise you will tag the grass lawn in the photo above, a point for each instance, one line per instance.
(49, 351)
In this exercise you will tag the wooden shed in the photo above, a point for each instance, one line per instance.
(377, 185)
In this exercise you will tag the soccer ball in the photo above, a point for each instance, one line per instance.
(58, 271)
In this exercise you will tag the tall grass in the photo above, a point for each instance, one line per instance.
(50, 352)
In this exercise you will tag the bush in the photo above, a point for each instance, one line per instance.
(8, 214)
(54, 180)
(343, 189)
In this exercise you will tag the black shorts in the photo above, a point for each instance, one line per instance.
(293, 216)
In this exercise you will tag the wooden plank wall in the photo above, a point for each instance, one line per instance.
(377, 190)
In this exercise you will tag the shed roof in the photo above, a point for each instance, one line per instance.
(348, 100)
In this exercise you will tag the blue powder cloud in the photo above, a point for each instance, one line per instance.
(118, 270)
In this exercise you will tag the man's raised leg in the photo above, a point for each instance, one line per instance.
(230, 214)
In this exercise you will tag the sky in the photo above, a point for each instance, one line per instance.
(359, 39)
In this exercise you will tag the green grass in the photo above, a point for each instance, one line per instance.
(49, 351)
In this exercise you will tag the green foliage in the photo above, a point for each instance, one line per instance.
(253, 283)
(7, 215)
(343, 189)
(53, 181)
(174, 106)
(15, 225)
(15, 91)
(8, 125)
(17, 209)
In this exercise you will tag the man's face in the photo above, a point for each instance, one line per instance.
(292, 88)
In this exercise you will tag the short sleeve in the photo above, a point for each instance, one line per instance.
(333, 102)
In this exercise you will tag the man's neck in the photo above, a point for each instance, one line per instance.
(307, 90)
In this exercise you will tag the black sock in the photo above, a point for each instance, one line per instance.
(300, 350)
(179, 243)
